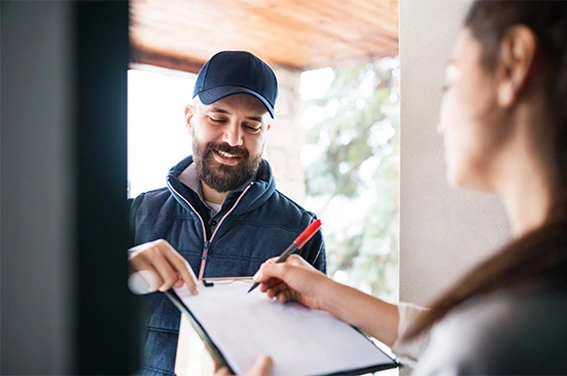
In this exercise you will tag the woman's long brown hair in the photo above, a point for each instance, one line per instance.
(541, 255)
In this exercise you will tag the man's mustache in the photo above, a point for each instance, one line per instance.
(234, 150)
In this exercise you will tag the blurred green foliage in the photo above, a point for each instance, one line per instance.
(352, 177)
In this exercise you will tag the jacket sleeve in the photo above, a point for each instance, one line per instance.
(314, 251)
(134, 205)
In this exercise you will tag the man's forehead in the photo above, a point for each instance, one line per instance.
(240, 101)
(237, 102)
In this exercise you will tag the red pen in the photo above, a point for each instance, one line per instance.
(297, 243)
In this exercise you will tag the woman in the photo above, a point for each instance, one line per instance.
(504, 123)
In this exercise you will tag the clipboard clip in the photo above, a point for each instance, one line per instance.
(210, 282)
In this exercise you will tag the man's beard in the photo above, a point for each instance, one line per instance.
(221, 177)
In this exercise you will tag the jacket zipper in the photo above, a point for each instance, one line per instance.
(207, 243)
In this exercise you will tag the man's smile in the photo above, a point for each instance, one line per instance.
(226, 158)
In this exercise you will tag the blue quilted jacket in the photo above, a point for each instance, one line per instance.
(255, 223)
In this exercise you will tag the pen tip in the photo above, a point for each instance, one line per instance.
(253, 286)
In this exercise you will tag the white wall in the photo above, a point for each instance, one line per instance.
(286, 137)
(443, 231)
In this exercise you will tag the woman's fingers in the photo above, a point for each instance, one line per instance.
(285, 296)
(223, 371)
(275, 289)
(268, 270)
(262, 367)
(269, 283)
(297, 260)
(272, 260)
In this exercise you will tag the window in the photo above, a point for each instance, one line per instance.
(157, 137)
(351, 158)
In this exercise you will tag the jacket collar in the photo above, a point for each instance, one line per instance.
(261, 187)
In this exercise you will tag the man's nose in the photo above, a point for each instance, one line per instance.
(232, 135)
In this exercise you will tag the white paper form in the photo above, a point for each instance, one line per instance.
(301, 341)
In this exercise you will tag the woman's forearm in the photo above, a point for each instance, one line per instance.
(374, 316)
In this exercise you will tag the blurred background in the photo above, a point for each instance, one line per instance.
(86, 84)
(334, 145)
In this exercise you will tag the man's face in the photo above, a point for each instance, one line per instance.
(228, 139)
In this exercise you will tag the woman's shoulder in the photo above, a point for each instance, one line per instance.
(514, 331)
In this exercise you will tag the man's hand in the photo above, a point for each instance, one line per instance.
(169, 267)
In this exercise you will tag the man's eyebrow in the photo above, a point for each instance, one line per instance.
(218, 109)
(255, 118)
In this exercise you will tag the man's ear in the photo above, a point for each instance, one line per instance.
(189, 112)
(517, 55)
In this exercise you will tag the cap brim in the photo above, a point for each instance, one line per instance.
(215, 94)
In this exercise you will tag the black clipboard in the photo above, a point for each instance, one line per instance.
(211, 347)
(220, 358)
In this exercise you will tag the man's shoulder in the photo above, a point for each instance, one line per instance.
(280, 199)
(155, 197)
(153, 194)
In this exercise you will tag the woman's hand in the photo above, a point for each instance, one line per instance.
(168, 266)
(293, 280)
(262, 367)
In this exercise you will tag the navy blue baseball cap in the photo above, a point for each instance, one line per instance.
(236, 72)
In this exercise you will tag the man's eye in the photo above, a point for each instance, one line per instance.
(253, 129)
(215, 120)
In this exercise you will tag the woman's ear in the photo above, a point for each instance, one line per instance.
(517, 54)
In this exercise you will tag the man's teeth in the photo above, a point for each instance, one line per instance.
(226, 155)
